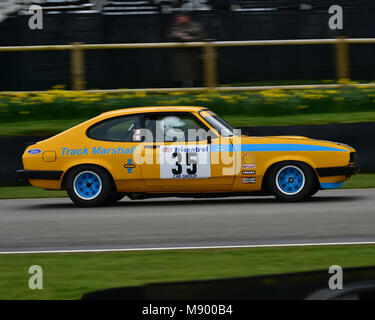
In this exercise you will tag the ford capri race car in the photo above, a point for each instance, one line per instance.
(180, 151)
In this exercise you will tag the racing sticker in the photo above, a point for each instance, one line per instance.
(129, 166)
(248, 172)
(248, 161)
(185, 162)
(249, 180)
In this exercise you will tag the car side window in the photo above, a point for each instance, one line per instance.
(119, 129)
(173, 127)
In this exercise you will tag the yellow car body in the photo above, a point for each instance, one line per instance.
(243, 169)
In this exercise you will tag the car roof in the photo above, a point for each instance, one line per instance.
(152, 109)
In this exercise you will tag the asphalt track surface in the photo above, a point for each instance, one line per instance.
(56, 224)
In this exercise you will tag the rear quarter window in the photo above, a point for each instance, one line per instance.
(119, 129)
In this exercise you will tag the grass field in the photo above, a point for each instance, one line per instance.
(55, 110)
(58, 125)
(68, 276)
(355, 182)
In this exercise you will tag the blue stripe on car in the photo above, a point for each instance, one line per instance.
(272, 147)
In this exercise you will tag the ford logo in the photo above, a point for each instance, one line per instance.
(34, 151)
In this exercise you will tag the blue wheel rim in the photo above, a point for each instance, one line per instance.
(87, 185)
(290, 180)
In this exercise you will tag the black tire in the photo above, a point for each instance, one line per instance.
(291, 181)
(114, 196)
(314, 191)
(89, 194)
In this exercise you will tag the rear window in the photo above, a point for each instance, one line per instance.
(119, 129)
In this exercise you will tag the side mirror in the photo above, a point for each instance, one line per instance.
(209, 139)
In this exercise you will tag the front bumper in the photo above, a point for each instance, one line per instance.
(38, 175)
(338, 171)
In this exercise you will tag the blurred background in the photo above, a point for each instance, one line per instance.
(149, 21)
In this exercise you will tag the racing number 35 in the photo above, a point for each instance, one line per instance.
(185, 162)
(191, 163)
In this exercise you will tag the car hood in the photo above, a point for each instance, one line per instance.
(294, 140)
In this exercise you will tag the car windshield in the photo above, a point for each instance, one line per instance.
(219, 124)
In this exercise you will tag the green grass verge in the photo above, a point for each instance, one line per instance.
(28, 192)
(68, 276)
(364, 180)
(41, 127)
(55, 126)
(55, 110)
(355, 182)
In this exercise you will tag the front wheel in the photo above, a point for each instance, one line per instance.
(114, 197)
(314, 191)
(88, 186)
(291, 181)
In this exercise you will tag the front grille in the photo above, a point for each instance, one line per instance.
(352, 157)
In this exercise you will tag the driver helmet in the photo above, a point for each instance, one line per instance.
(173, 127)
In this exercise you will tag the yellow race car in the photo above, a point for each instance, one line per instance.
(180, 151)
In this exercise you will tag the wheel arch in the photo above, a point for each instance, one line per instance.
(67, 172)
(265, 176)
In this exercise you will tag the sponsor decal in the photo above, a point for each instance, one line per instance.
(185, 149)
(248, 172)
(248, 161)
(185, 162)
(97, 151)
(34, 151)
(129, 166)
(248, 180)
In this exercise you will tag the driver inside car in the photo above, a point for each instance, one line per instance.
(173, 128)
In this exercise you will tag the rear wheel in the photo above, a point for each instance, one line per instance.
(291, 181)
(88, 186)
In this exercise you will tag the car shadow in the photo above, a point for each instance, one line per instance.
(195, 202)
(230, 201)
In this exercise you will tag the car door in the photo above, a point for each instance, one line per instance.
(180, 161)
(114, 142)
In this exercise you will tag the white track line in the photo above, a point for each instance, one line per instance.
(194, 248)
